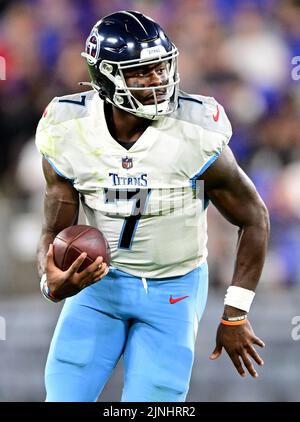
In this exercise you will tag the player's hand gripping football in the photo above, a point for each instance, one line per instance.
(238, 342)
(63, 284)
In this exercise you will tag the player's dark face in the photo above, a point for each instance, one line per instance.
(148, 76)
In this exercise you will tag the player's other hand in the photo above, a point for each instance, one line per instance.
(63, 284)
(238, 342)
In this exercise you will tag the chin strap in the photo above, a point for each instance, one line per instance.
(94, 86)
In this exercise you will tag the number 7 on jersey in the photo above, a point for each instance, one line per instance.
(139, 197)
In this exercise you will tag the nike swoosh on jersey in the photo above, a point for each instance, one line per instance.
(216, 116)
(172, 301)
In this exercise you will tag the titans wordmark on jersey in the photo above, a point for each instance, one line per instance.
(145, 199)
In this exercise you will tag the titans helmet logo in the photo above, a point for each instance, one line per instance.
(93, 46)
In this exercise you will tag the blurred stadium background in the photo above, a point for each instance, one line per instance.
(238, 51)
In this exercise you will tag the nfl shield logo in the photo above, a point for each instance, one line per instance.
(127, 163)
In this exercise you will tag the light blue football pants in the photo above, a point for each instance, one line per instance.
(150, 322)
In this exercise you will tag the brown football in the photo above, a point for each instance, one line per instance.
(74, 240)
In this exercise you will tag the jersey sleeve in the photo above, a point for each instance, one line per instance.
(51, 138)
(217, 132)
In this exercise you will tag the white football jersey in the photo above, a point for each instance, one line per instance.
(143, 199)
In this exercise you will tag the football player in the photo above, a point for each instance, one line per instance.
(135, 152)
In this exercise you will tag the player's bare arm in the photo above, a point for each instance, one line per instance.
(61, 207)
(235, 196)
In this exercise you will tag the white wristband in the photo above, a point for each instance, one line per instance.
(238, 297)
(45, 289)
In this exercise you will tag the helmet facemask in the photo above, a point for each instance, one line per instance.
(122, 96)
